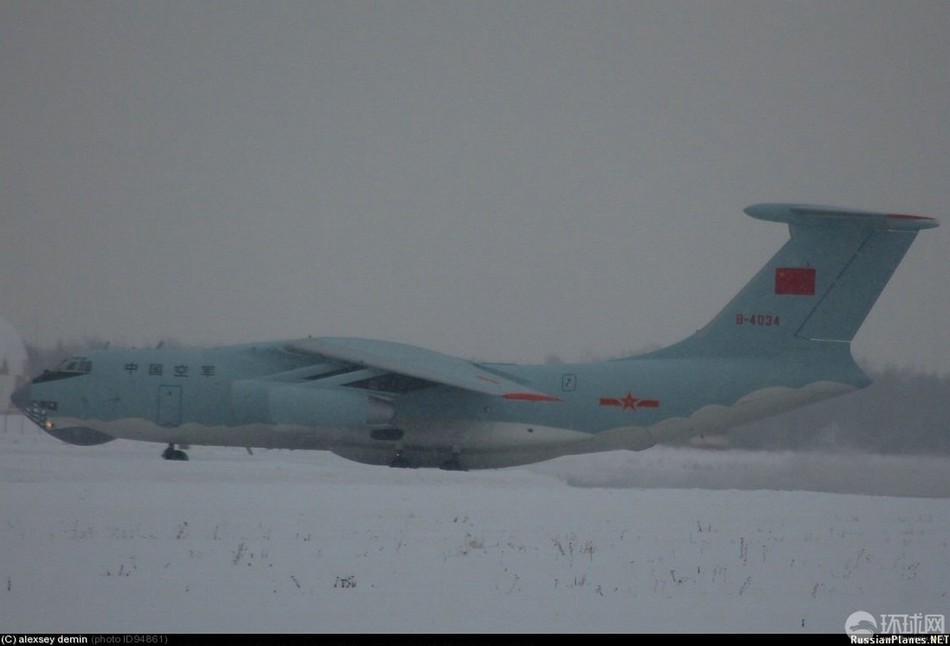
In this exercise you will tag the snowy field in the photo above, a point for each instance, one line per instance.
(114, 539)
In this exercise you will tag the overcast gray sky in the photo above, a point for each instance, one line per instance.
(499, 180)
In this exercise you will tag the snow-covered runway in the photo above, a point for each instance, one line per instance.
(114, 539)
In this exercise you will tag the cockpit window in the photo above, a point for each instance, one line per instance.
(80, 365)
(72, 367)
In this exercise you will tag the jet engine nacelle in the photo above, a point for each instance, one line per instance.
(256, 402)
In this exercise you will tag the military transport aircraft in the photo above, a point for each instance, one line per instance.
(781, 343)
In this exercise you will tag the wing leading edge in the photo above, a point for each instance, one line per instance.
(418, 362)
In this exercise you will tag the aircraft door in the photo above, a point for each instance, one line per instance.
(169, 405)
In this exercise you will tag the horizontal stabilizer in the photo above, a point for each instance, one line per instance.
(812, 215)
(417, 362)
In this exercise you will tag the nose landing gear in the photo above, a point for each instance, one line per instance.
(171, 453)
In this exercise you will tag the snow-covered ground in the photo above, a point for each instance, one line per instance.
(114, 539)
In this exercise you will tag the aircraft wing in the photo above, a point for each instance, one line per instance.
(417, 362)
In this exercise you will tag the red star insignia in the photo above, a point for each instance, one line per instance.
(629, 401)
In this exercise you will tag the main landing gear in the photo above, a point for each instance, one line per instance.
(171, 453)
(453, 463)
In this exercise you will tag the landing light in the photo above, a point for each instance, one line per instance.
(48, 425)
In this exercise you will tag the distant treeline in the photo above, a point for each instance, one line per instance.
(902, 412)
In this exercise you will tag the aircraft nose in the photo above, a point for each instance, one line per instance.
(22, 398)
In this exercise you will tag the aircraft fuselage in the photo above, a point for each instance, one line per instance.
(782, 342)
(265, 396)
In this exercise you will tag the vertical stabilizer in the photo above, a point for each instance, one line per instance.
(819, 287)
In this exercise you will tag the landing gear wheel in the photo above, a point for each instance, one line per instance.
(171, 453)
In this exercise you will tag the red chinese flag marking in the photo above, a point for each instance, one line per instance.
(798, 281)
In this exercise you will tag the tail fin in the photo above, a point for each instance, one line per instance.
(819, 287)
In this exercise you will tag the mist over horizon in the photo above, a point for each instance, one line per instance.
(840, 470)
